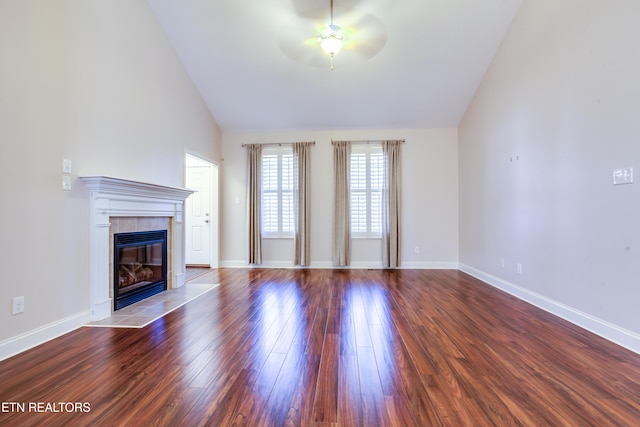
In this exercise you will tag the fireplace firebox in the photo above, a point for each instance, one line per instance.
(140, 266)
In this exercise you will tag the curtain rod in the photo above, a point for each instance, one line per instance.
(369, 141)
(279, 144)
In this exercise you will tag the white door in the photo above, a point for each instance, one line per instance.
(201, 219)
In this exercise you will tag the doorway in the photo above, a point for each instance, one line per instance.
(201, 213)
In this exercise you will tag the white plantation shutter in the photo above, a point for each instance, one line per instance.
(358, 192)
(269, 193)
(377, 169)
(287, 192)
(366, 190)
(277, 191)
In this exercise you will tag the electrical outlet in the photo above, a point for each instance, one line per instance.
(502, 263)
(519, 268)
(416, 249)
(623, 176)
(18, 305)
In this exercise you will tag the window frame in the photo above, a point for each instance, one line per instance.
(284, 189)
(372, 190)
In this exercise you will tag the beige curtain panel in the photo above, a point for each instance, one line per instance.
(391, 204)
(254, 180)
(342, 206)
(302, 203)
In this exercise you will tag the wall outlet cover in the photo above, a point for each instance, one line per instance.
(623, 176)
(17, 305)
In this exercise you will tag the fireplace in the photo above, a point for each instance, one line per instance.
(121, 206)
(140, 266)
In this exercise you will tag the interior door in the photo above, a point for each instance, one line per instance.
(198, 219)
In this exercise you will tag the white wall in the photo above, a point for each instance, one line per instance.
(429, 199)
(96, 82)
(556, 113)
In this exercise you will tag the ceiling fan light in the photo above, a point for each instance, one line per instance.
(331, 40)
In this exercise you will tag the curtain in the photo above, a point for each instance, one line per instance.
(254, 179)
(391, 204)
(301, 203)
(342, 205)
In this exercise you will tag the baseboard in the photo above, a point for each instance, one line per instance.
(354, 265)
(180, 279)
(18, 344)
(609, 331)
(436, 265)
(234, 264)
(272, 264)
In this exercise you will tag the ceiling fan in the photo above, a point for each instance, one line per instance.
(310, 39)
(332, 38)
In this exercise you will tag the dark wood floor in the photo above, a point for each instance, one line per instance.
(335, 348)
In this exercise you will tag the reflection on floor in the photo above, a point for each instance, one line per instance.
(142, 313)
(191, 273)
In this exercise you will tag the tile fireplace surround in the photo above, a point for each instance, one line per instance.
(115, 198)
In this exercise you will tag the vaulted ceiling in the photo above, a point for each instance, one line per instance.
(407, 64)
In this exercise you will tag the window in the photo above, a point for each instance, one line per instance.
(277, 191)
(366, 190)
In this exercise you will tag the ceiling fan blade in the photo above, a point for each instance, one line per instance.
(366, 35)
(300, 47)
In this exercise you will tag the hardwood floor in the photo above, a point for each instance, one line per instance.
(330, 348)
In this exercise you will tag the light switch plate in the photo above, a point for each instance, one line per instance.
(66, 166)
(66, 182)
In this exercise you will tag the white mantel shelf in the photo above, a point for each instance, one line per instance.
(111, 185)
(110, 197)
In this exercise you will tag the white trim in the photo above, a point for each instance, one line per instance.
(438, 265)
(180, 279)
(120, 187)
(25, 341)
(234, 263)
(609, 331)
(434, 265)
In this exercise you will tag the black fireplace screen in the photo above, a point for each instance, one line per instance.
(140, 266)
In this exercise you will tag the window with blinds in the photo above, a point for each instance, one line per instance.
(277, 191)
(366, 190)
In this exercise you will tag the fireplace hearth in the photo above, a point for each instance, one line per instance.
(140, 266)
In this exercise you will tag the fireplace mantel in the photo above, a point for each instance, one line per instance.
(111, 197)
(118, 186)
